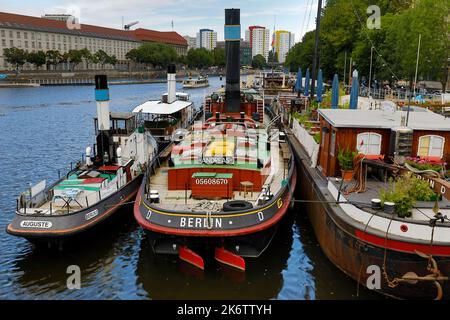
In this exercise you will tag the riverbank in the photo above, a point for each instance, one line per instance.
(86, 77)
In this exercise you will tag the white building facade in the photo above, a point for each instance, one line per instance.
(284, 41)
(206, 38)
(259, 39)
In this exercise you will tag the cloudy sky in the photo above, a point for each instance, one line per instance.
(187, 15)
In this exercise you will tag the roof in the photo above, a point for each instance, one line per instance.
(120, 115)
(160, 36)
(378, 119)
(17, 21)
(159, 107)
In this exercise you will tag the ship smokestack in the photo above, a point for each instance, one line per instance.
(171, 83)
(232, 48)
(102, 98)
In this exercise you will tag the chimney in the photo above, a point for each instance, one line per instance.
(232, 44)
(102, 98)
(171, 84)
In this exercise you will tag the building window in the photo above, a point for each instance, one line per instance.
(4, 42)
(10, 34)
(431, 146)
(18, 34)
(368, 143)
(25, 35)
(3, 33)
(11, 43)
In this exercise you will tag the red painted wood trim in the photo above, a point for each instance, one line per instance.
(402, 245)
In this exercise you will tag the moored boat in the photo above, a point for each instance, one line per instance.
(96, 188)
(378, 231)
(199, 82)
(163, 118)
(227, 181)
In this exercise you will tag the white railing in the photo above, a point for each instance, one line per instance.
(307, 141)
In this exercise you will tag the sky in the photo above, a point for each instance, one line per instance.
(188, 16)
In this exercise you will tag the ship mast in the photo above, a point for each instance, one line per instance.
(316, 49)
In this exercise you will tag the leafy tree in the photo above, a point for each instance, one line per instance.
(103, 57)
(259, 62)
(15, 56)
(273, 57)
(53, 58)
(199, 58)
(219, 57)
(37, 58)
(430, 19)
(74, 58)
(301, 54)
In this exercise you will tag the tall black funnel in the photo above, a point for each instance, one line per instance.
(232, 48)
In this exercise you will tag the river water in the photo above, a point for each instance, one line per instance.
(41, 131)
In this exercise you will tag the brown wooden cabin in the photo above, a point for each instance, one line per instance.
(378, 132)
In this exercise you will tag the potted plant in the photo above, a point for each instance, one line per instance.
(346, 162)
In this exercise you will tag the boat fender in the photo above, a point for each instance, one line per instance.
(119, 156)
(88, 156)
(236, 205)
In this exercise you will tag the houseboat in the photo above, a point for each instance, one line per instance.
(174, 111)
(199, 82)
(381, 225)
(89, 194)
(226, 182)
(271, 83)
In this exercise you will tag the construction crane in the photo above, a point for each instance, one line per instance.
(128, 26)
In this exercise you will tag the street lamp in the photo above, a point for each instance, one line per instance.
(370, 72)
(409, 107)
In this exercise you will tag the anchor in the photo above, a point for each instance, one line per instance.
(435, 276)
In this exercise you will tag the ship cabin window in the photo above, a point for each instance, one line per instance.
(368, 143)
(431, 146)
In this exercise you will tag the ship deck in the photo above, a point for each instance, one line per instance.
(423, 211)
(182, 200)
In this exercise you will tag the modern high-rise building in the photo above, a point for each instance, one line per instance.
(259, 39)
(284, 41)
(206, 38)
(191, 41)
(245, 52)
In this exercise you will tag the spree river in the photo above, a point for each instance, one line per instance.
(42, 130)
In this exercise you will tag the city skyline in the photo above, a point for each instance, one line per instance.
(188, 16)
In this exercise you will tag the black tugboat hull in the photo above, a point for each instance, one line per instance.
(54, 229)
(357, 252)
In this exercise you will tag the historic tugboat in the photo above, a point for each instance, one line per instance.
(90, 193)
(174, 112)
(227, 181)
(391, 236)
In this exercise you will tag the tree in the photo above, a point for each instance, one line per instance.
(199, 58)
(259, 62)
(74, 58)
(153, 53)
(219, 57)
(37, 58)
(15, 56)
(273, 57)
(430, 19)
(53, 58)
(301, 54)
